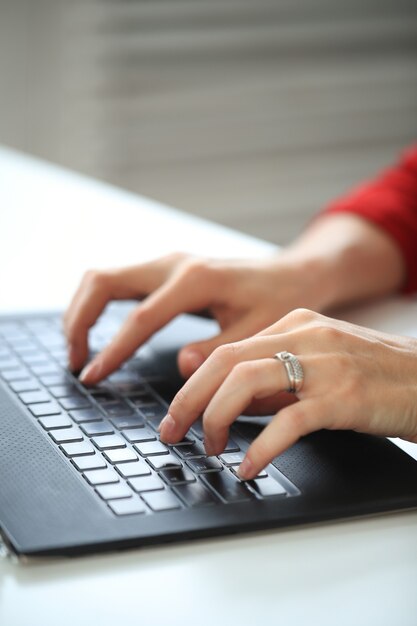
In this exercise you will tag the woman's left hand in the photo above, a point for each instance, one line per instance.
(354, 378)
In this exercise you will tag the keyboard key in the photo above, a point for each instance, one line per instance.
(25, 347)
(231, 446)
(55, 421)
(5, 352)
(139, 434)
(163, 388)
(36, 357)
(178, 476)
(123, 376)
(90, 462)
(51, 339)
(164, 461)
(138, 468)
(10, 329)
(234, 469)
(66, 435)
(128, 506)
(54, 379)
(29, 384)
(232, 458)
(203, 465)
(91, 429)
(113, 492)
(146, 483)
(117, 409)
(148, 448)
(34, 397)
(227, 486)
(197, 428)
(184, 442)
(45, 368)
(86, 415)
(75, 402)
(9, 363)
(77, 449)
(107, 442)
(62, 391)
(161, 500)
(45, 408)
(101, 476)
(121, 455)
(190, 451)
(153, 413)
(122, 423)
(140, 398)
(267, 487)
(102, 396)
(195, 494)
(14, 374)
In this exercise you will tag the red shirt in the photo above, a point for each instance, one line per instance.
(390, 202)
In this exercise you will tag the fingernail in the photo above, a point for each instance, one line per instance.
(194, 359)
(90, 372)
(245, 469)
(167, 427)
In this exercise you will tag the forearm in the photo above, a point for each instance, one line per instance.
(347, 259)
(364, 244)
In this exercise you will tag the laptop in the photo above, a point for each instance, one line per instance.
(83, 471)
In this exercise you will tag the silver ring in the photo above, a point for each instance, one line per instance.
(294, 370)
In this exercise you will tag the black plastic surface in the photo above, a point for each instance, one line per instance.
(46, 508)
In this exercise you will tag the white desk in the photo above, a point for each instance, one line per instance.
(348, 573)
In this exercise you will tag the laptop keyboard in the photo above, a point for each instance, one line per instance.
(108, 433)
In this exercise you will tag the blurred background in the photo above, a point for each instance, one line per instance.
(253, 113)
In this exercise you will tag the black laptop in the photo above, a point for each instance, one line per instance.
(83, 470)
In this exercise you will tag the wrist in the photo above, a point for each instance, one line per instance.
(347, 259)
(309, 278)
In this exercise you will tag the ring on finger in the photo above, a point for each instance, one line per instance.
(294, 370)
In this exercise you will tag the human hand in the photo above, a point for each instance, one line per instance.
(354, 378)
(243, 296)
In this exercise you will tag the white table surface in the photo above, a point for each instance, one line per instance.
(361, 572)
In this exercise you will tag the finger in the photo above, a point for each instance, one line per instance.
(158, 309)
(88, 303)
(197, 392)
(248, 380)
(192, 356)
(99, 287)
(291, 423)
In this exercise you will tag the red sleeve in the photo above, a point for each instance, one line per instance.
(390, 202)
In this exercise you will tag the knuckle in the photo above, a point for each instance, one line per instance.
(301, 315)
(194, 271)
(225, 355)
(328, 333)
(245, 372)
(95, 279)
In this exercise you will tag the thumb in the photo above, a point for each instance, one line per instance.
(194, 354)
